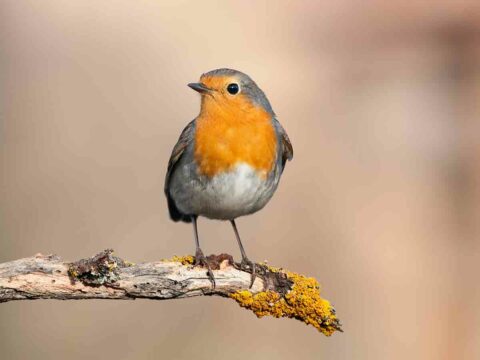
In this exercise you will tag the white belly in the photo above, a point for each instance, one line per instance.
(224, 196)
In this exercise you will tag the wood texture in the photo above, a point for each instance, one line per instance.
(275, 292)
(48, 277)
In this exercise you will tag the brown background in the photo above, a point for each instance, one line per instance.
(381, 202)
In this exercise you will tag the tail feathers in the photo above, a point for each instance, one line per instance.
(175, 214)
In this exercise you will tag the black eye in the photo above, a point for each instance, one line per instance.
(233, 88)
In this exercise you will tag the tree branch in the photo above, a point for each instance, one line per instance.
(275, 292)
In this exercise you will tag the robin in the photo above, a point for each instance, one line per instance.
(228, 161)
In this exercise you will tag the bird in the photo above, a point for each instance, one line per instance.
(228, 161)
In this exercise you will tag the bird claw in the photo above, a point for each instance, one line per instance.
(201, 260)
(248, 266)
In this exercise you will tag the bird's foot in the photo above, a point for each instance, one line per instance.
(249, 266)
(201, 260)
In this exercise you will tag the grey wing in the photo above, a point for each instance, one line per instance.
(185, 139)
(285, 146)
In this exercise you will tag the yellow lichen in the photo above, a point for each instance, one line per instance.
(72, 272)
(111, 265)
(302, 302)
(184, 260)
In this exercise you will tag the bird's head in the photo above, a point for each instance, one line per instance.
(228, 90)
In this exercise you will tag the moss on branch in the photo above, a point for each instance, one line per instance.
(275, 292)
(287, 294)
(302, 302)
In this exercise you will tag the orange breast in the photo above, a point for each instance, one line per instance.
(227, 136)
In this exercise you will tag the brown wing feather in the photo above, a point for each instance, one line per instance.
(286, 145)
(185, 139)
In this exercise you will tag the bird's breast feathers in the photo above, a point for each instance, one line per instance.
(226, 195)
(222, 141)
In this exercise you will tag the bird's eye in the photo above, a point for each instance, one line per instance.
(233, 88)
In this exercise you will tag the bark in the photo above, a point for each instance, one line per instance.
(107, 277)
(275, 292)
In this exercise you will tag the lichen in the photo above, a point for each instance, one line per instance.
(184, 260)
(302, 302)
(215, 262)
(101, 269)
(286, 294)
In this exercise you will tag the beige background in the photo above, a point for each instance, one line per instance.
(381, 202)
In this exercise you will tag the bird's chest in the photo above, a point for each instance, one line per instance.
(221, 145)
(232, 193)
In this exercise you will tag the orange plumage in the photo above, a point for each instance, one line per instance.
(232, 130)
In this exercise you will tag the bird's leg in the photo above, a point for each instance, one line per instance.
(246, 264)
(200, 259)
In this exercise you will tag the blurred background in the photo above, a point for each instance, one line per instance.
(381, 202)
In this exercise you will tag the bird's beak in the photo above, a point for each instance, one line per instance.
(202, 89)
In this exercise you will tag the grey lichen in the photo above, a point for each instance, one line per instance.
(101, 269)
